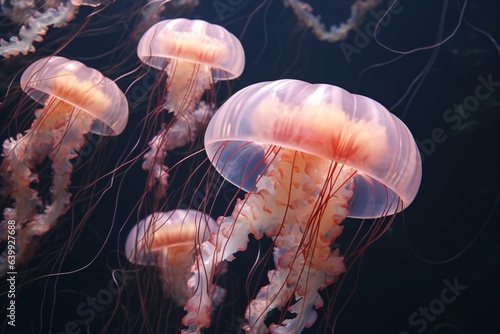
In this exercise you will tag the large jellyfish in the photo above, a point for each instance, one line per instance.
(167, 240)
(77, 100)
(309, 156)
(194, 54)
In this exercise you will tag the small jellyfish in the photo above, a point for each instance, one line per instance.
(77, 100)
(194, 54)
(309, 156)
(167, 240)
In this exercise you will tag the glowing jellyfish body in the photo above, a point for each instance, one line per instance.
(167, 240)
(309, 156)
(77, 100)
(194, 54)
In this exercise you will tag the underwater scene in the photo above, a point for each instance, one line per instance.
(244, 166)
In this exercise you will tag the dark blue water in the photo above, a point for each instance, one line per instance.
(436, 270)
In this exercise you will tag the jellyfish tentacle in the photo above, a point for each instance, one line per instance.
(154, 160)
(274, 295)
(54, 139)
(304, 260)
(336, 33)
(184, 131)
(199, 306)
(220, 247)
(250, 216)
(35, 25)
(303, 257)
(21, 157)
(191, 81)
(18, 177)
(36, 22)
(61, 156)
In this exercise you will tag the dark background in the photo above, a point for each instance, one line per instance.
(450, 232)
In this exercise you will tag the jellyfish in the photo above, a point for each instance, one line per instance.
(167, 240)
(309, 155)
(77, 100)
(194, 54)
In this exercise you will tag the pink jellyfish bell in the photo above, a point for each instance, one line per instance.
(194, 54)
(167, 240)
(309, 156)
(77, 100)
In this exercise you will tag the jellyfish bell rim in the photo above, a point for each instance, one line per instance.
(135, 250)
(153, 56)
(236, 143)
(110, 122)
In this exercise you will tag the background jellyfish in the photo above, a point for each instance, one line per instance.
(35, 21)
(457, 196)
(194, 54)
(167, 240)
(77, 100)
(309, 156)
(304, 13)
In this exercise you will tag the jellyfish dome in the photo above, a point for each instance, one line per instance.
(195, 41)
(323, 120)
(309, 156)
(82, 87)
